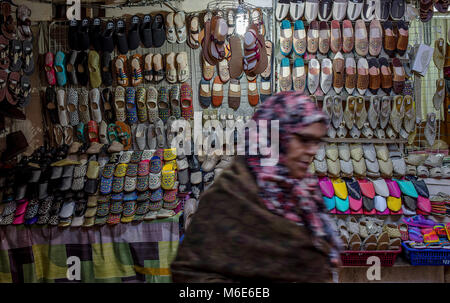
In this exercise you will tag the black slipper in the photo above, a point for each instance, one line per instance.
(107, 40)
(71, 68)
(81, 65)
(158, 31)
(50, 104)
(73, 35)
(15, 55)
(106, 69)
(95, 34)
(91, 186)
(25, 91)
(133, 33)
(398, 9)
(83, 35)
(108, 109)
(121, 37)
(27, 57)
(146, 31)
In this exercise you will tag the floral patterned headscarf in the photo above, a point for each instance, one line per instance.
(296, 200)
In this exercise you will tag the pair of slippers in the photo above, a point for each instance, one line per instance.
(176, 27)
(16, 89)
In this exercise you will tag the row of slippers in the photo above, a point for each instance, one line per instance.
(324, 10)
(372, 75)
(376, 196)
(81, 67)
(377, 234)
(374, 161)
(396, 115)
(128, 104)
(320, 38)
(16, 55)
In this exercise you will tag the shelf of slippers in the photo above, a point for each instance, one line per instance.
(365, 140)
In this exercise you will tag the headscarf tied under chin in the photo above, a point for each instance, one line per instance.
(296, 200)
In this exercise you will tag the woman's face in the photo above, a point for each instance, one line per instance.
(303, 147)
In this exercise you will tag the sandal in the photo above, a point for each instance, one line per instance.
(15, 55)
(158, 68)
(255, 55)
(137, 77)
(148, 67)
(194, 30)
(183, 67)
(236, 62)
(121, 70)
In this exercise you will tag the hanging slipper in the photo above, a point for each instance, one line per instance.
(253, 96)
(403, 36)
(124, 134)
(72, 106)
(119, 104)
(255, 55)
(236, 62)
(94, 69)
(145, 31)
(187, 110)
(158, 68)
(8, 26)
(234, 94)
(163, 104)
(70, 67)
(3, 85)
(299, 75)
(174, 95)
(386, 75)
(148, 67)
(170, 28)
(286, 37)
(324, 37)
(205, 93)
(136, 69)
(93, 131)
(112, 133)
(96, 112)
(325, 10)
(182, 67)
(376, 36)
(336, 36)
(313, 37)
(361, 39)
(121, 37)
(82, 69)
(217, 92)
(285, 80)
(141, 106)
(390, 40)
(25, 91)
(180, 26)
(121, 70)
(399, 76)
(363, 76)
(338, 72)
(95, 34)
(398, 9)
(313, 75)
(348, 36)
(158, 31)
(49, 70)
(83, 35)
(83, 107)
(106, 69)
(131, 105)
(60, 68)
(368, 10)
(219, 31)
(106, 39)
(374, 75)
(266, 74)
(256, 16)
(27, 60)
(15, 55)
(194, 30)
(382, 9)
(152, 105)
(133, 33)
(13, 87)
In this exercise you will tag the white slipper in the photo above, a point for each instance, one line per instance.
(313, 75)
(339, 9)
(180, 26)
(368, 11)
(171, 35)
(374, 109)
(326, 76)
(311, 10)
(296, 9)
(282, 9)
(354, 9)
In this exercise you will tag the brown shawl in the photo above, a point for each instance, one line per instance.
(233, 237)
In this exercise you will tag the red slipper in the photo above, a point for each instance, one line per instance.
(49, 70)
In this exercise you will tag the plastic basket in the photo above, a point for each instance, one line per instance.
(359, 258)
(429, 257)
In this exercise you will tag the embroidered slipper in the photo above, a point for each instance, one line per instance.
(223, 70)
(324, 38)
(187, 110)
(326, 75)
(236, 62)
(363, 76)
(205, 93)
(336, 36)
(299, 75)
(119, 104)
(217, 92)
(93, 131)
(253, 96)
(347, 36)
(285, 80)
(338, 72)
(124, 134)
(208, 70)
(121, 70)
(158, 31)
(312, 37)
(141, 105)
(194, 30)
(399, 76)
(174, 94)
(136, 70)
(94, 69)
(390, 39)
(361, 39)
(133, 33)
(158, 68)
(234, 94)
(299, 39)
(376, 37)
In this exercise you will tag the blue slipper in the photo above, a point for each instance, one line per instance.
(407, 188)
(60, 67)
(286, 42)
(298, 25)
(341, 204)
(205, 101)
(330, 203)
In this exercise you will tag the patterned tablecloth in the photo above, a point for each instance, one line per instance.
(120, 253)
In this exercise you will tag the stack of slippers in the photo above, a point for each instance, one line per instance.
(16, 61)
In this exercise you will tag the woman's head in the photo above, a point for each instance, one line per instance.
(301, 129)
